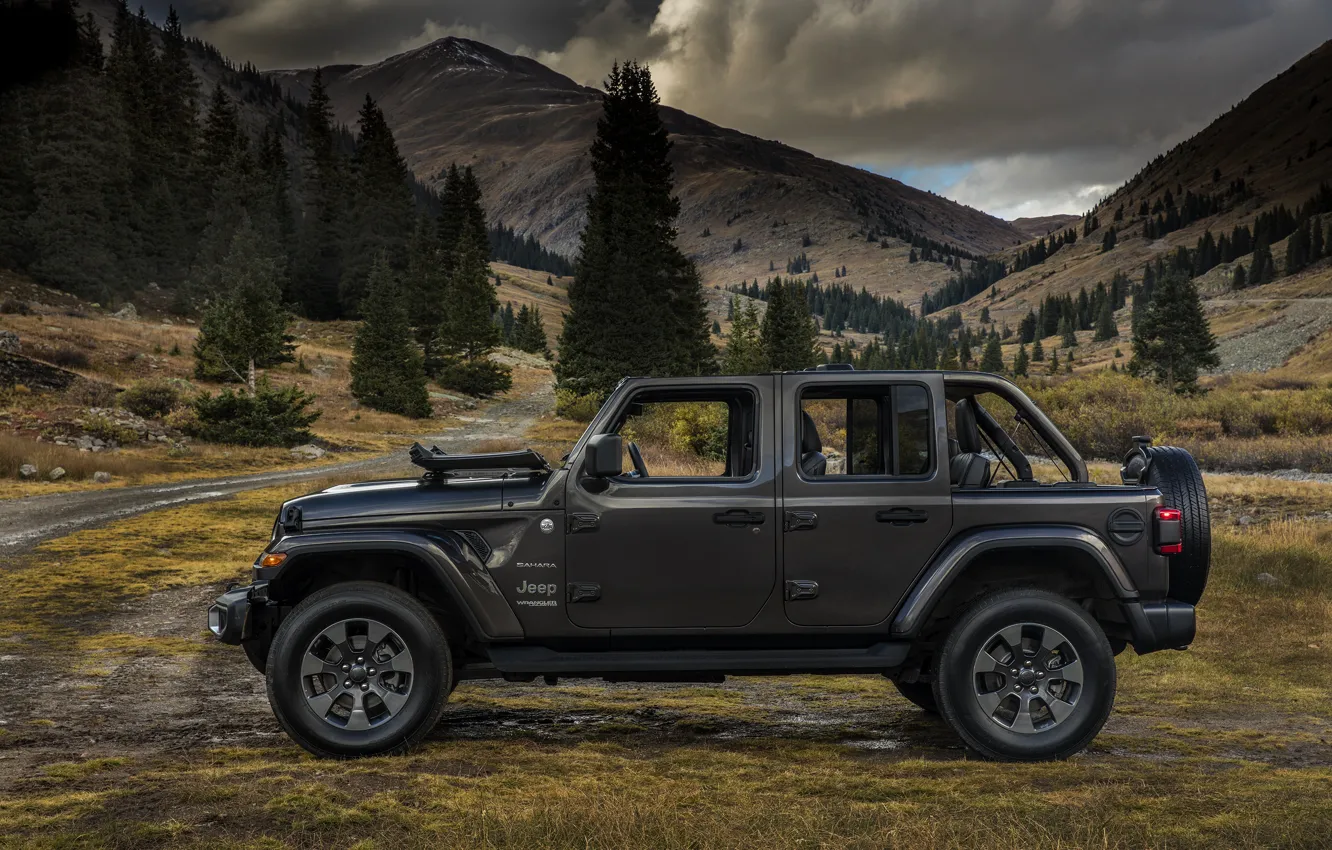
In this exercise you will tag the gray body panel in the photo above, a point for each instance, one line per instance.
(669, 575)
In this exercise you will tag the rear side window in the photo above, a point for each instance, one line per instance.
(864, 430)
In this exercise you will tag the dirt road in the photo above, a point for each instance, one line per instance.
(26, 522)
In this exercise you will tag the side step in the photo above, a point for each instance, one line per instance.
(539, 660)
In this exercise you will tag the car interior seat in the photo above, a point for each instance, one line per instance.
(967, 467)
(812, 460)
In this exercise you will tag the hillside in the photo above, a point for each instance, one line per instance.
(1278, 142)
(526, 129)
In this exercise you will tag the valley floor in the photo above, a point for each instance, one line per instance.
(124, 725)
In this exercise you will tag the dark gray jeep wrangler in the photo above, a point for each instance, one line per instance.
(827, 521)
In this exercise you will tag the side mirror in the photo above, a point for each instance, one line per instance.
(604, 456)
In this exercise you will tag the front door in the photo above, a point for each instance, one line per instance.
(866, 495)
(690, 539)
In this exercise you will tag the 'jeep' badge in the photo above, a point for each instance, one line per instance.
(547, 525)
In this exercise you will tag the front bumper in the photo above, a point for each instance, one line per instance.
(231, 616)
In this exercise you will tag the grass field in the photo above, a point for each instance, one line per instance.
(1226, 745)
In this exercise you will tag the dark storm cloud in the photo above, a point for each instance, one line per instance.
(1046, 102)
(299, 33)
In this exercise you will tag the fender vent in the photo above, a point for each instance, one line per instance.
(477, 542)
(1126, 526)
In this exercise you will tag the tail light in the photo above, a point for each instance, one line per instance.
(1167, 530)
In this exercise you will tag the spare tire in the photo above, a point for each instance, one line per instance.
(1174, 472)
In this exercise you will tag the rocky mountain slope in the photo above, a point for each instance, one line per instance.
(1278, 142)
(525, 129)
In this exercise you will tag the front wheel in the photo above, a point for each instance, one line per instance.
(359, 669)
(1026, 675)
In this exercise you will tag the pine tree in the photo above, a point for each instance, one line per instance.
(1021, 362)
(381, 209)
(788, 334)
(467, 335)
(744, 349)
(1054, 362)
(992, 360)
(1317, 244)
(1173, 341)
(1106, 329)
(244, 328)
(1262, 268)
(386, 368)
(1238, 280)
(317, 267)
(949, 361)
(1297, 248)
(964, 351)
(528, 332)
(1037, 351)
(636, 302)
(1067, 336)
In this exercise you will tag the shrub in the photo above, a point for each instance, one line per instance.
(579, 408)
(106, 429)
(69, 358)
(273, 416)
(151, 399)
(15, 307)
(476, 377)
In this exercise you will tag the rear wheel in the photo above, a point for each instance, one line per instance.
(359, 669)
(1026, 675)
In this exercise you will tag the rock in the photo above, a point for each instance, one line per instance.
(27, 471)
(322, 370)
(9, 342)
(1267, 579)
(102, 477)
(56, 474)
(307, 452)
(1245, 520)
(128, 313)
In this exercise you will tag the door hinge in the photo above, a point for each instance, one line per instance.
(582, 522)
(583, 591)
(800, 589)
(801, 520)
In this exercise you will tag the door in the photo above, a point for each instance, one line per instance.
(863, 519)
(693, 543)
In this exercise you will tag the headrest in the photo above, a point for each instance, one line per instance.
(809, 435)
(968, 435)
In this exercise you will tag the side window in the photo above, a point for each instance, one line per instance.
(911, 407)
(687, 436)
(866, 430)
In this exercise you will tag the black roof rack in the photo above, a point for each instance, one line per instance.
(832, 367)
(439, 464)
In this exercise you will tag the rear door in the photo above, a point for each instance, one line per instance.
(857, 534)
(693, 544)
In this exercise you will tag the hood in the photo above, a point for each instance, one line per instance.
(403, 497)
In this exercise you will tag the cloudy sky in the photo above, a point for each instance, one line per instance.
(1018, 107)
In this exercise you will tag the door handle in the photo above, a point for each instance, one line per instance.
(801, 520)
(738, 518)
(902, 516)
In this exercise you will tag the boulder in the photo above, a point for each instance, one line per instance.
(102, 477)
(307, 452)
(1267, 579)
(56, 474)
(27, 471)
(9, 342)
(128, 313)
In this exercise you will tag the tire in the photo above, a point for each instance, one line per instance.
(1174, 472)
(920, 694)
(384, 711)
(987, 709)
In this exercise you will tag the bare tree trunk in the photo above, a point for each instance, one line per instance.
(250, 378)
